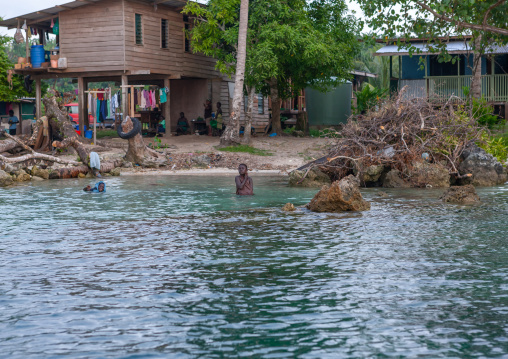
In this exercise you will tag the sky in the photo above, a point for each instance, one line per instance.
(17, 8)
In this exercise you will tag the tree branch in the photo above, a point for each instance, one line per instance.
(483, 27)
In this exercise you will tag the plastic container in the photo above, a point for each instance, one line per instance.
(37, 55)
(88, 134)
(54, 64)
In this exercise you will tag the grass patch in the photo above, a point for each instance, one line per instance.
(106, 133)
(246, 149)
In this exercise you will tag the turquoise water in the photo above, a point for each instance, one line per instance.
(181, 267)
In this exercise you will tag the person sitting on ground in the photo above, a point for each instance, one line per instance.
(99, 187)
(182, 126)
(244, 185)
(13, 122)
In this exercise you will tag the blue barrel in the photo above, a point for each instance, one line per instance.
(88, 134)
(37, 55)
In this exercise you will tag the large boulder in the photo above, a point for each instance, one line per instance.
(485, 169)
(5, 179)
(460, 195)
(21, 176)
(340, 196)
(425, 174)
(393, 179)
(40, 172)
(372, 174)
(315, 178)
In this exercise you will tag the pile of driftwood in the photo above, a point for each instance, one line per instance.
(55, 130)
(402, 132)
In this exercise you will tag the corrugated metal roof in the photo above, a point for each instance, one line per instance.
(454, 47)
(45, 15)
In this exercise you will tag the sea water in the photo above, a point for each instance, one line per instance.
(179, 266)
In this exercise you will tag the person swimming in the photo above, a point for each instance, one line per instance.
(100, 187)
(244, 185)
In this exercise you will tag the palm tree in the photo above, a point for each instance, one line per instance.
(231, 135)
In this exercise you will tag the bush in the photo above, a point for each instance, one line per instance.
(368, 97)
(497, 147)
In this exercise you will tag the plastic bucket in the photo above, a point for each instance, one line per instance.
(88, 134)
(37, 55)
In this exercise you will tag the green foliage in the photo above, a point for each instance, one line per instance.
(157, 143)
(405, 19)
(368, 97)
(18, 91)
(246, 149)
(309, 43)
(325, 133)
(106, 133)
(497, 147)
(483, 113)
(289, 130)
(380, 65)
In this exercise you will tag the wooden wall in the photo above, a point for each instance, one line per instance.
(91, 37)
(101, 37)
(150, 55)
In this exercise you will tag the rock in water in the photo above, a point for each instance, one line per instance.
(393, 179)
(486, 170)
(115, 171)
(39, 172)
(289, 207)
(461, 195)
(426, 174)
(5, 179)
(341, 196)
(21, 176)
(315, 178)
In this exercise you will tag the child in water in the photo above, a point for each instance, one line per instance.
(99, 187)
(244, 185)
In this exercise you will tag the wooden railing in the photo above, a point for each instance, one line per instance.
(494, 87)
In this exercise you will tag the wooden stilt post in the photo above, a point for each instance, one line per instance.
(81, 105)
(167, 108)
(125, 110)
(38, 112)
(27, 46)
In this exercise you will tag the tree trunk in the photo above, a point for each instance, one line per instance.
(302, 122)
(136, 149)
(274, 95)
(251, 92)
(60, 126)
(476, 82)
(231, 135)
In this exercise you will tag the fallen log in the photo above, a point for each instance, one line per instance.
(73, 172)
(7, 145)
(36, 156)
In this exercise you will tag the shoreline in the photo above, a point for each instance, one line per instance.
(203, 172)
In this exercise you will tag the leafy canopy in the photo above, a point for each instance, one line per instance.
(18, 90)
(309, 44)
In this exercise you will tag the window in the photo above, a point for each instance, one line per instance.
(261, 104)
(72, 109)
(443, 68)
(186, 34)
(139, 29)
(164, 33)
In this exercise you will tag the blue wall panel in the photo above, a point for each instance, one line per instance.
(411, 68)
